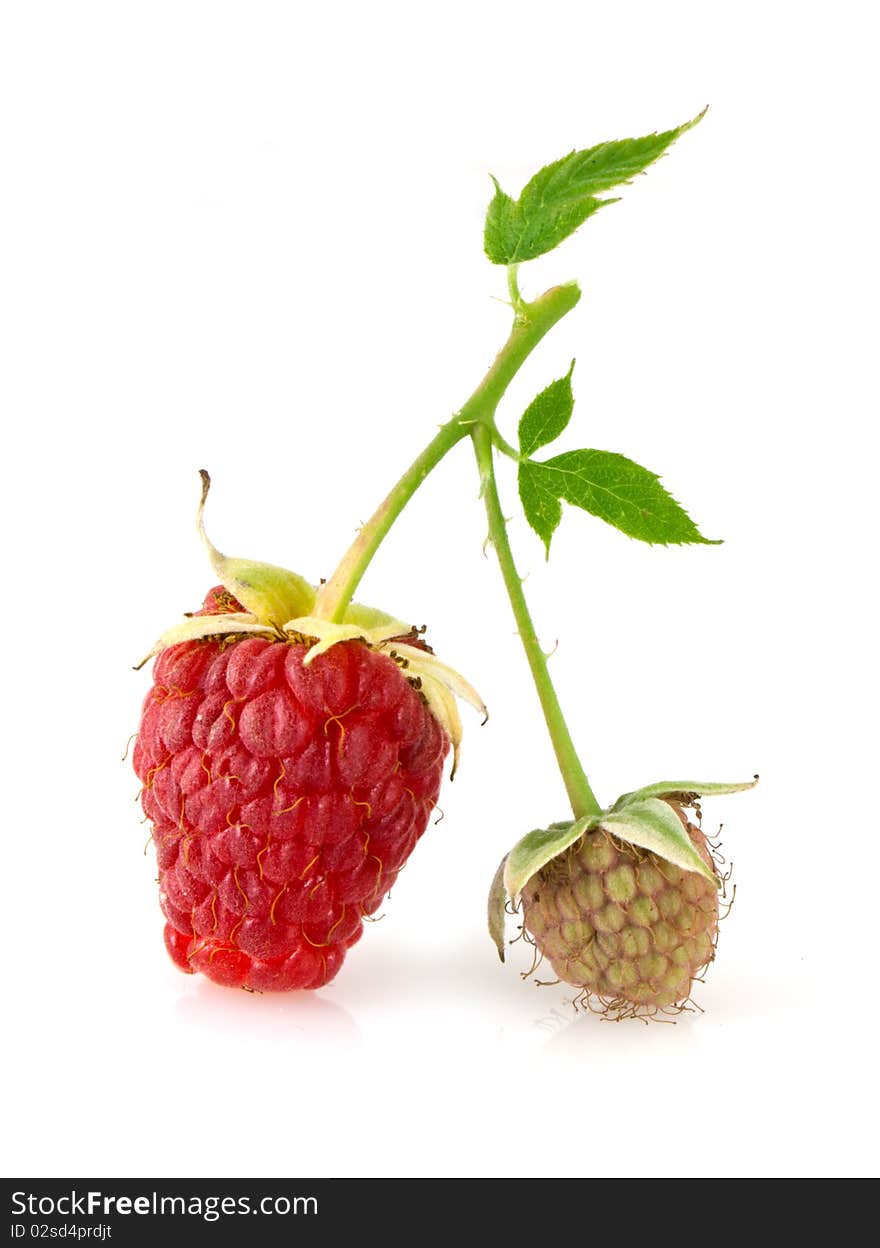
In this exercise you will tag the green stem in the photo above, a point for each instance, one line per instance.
(532, 321)
(335, 594)
(581, 796)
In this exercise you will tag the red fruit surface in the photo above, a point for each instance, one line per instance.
(284, 800)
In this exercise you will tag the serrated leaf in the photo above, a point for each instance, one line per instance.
(599, 168)
(513, 235)
(682, 789)
(501, 225)
(562, 195)
(536, 849)
(542, 508)
(653, 825)
(547, 415)
(615, 489)
(496, 908)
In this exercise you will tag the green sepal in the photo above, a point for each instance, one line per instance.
(496, 908)
(537, 848)
(684, 791)
(371, 617)
(641, 818)
(268, 592)
(652, 824)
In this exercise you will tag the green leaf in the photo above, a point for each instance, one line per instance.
(547, 415)
(541, 505)
(682, 789)
(609, 486)
(536, 849)
(653, 825)
(501, 226)
(512, 234)
(562, 195)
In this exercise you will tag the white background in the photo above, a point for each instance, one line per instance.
(248, 237)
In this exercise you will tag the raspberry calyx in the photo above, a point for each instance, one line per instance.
(282, 605)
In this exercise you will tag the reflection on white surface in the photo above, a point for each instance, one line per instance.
(274, 1016)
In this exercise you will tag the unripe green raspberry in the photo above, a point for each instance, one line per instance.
(623, 924)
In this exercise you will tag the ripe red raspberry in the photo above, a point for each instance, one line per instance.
(284, 798)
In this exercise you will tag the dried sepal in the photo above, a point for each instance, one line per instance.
(197, 627)
(421, 662)
(270, 593)
(443, 707)
(684, 791)
(326, 633)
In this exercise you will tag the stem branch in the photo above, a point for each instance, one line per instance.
(477, 418)
(532, 322)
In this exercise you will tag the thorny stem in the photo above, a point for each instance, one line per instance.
(581, 796)
(477, 418)
(532, 322)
